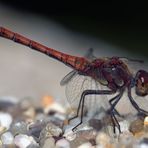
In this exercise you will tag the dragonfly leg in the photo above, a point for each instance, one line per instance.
(115, 111)
(135, 105)
(89, 92)
(112, 109)
(115, 123)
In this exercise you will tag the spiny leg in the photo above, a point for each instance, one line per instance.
(135, 105)
(89, 92)
(115, 111)
(111, 111)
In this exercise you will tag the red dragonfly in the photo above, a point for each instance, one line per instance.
(111, 72)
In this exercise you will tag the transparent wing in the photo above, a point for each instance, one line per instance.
(75, 88)
(68, 77)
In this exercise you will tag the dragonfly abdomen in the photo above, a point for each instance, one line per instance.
(77, 63)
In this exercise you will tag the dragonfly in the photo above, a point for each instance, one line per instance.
(111, 72)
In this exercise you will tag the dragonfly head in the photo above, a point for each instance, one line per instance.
(142, 83)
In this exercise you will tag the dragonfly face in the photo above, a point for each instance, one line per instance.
(142, 83)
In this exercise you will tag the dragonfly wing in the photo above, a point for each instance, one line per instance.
(68, 77)
(75, 88)
(89, 55)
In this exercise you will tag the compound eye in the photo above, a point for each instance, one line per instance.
(141, 87)
(142, 81)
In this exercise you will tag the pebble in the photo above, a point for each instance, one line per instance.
(19, 127)
(136, 126)
(124, 125)
(103, 139)
(146, 121)
(5, 120)
(49, 142)
(29, 113)
(54, 107)
(62, 143)
(50, 130)
(36, 128)
(141, 143)
(69, 134)
(126, 138)
(23, 141)
(85, 145)
(7, 138)
(50, 105)
(96, 124)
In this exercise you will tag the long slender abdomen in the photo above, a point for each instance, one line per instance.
(77, 63)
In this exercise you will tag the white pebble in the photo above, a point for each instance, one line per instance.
(7, 138)
(23, 141)
(124, 125)
(54, 107)
(62, 143)
(49, 142)
(69, 134)
(102, 139)
(5, 120)
(85, 145)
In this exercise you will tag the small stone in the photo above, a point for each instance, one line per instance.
(54, 107)
(7, 138)
(146, 121)
(30, 112)
(103, 139)
(136, 126)
(49, 131)
(23, 141)
(47, 101)
(49, 142)
(26, 103)
(33, 146)
(69, 134)
(85, 145)
(5, 120)
(19, 127)
(143, 143)
(124, 125)
(52, 130)
(36, 128)
(126, 138)
(62, 143)
(96, 124)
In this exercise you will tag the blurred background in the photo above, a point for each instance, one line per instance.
(112, 29)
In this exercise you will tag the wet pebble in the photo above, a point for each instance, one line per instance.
(5, 120)
(23, 141)
(126, 139)
(85, 145)
(124, 125)
(62, 143)
(50, 130)
(49, 105)
(136, 126)
(7, 138)
(69, 134)
(36, 128)
(141, 143)
(103, 139)
(19, 127)
(49, 142)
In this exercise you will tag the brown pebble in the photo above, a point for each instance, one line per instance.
(136, 126)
